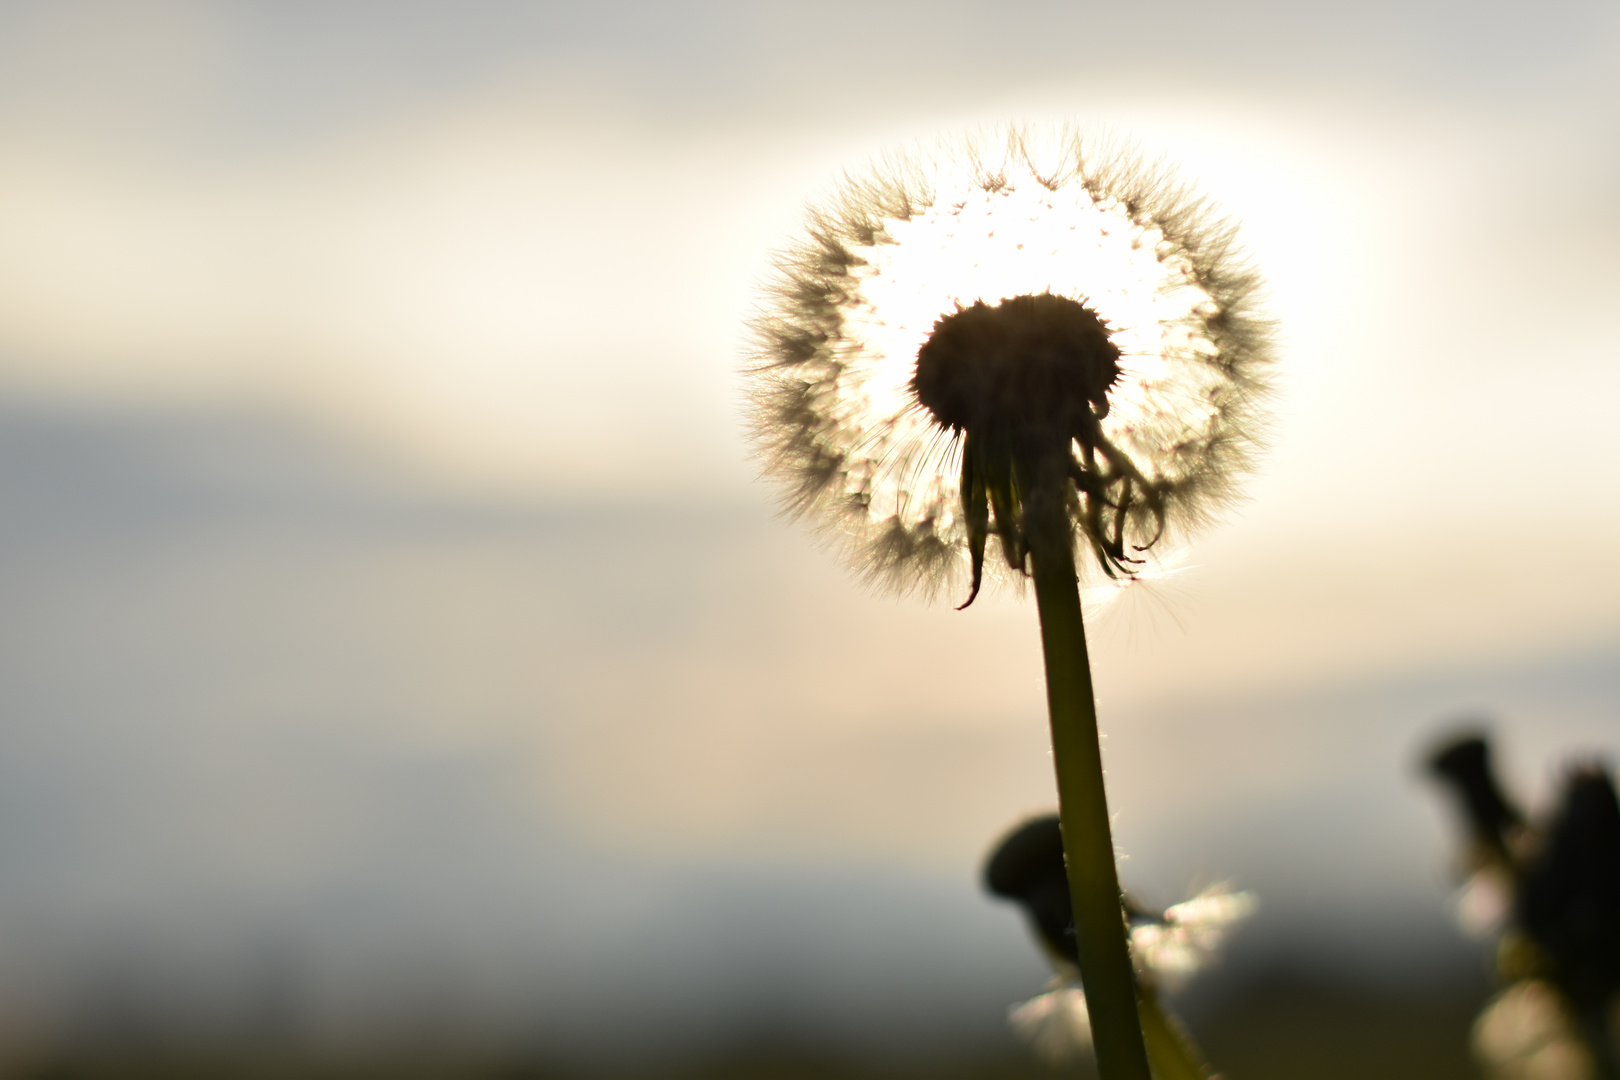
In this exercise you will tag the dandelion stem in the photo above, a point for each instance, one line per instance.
(1169, 1048)
(1088, 845)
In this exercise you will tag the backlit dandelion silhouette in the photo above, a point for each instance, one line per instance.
(945, 318)
(1031, 341)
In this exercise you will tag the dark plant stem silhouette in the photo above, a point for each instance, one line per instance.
(1099, 913)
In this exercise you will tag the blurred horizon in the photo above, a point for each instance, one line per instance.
(292, 743)
(401, 652)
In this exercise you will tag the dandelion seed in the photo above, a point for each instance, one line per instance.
(1187, 938)
(1056, 1024)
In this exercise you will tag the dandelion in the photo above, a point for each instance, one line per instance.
(1033, 341)
(959, 333)
(1554, 901)
(1167, 948)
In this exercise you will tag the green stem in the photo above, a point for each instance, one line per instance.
(1593, 1026)
(1168, 1047)
(1088, 845)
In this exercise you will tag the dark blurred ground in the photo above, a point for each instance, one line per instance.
(1293, 1026)
(1282, 1026)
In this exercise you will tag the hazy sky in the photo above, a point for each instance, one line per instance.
(508, 249)
(517, 240)
(514, 243)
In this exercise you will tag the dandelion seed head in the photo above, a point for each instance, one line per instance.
(1038, 286)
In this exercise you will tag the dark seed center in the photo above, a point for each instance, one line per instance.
(1027, 366)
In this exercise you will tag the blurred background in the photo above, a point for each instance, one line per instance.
(403, 672)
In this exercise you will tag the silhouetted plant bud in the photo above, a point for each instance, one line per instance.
(1569, 902)
(1027, 866)
(1554, 895)
(1465, 765)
